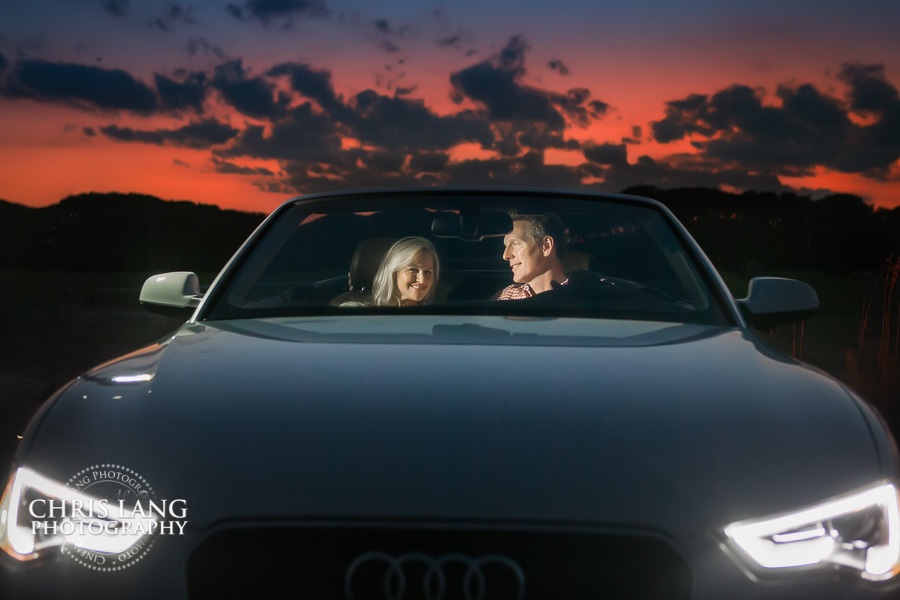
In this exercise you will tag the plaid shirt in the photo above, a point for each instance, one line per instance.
(519, 291)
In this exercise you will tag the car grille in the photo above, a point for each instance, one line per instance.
(412, 563)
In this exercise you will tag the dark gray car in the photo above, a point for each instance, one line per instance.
(621, 435)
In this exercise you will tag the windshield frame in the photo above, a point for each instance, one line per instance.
(721, 300)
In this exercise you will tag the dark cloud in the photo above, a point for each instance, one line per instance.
(506, 142)
(407, 123)
(383, 27)
(302, 136)
(558, 65)
(388, 46)
(173, 13)
(313, 84)
(254, 97)
(637, 133)
(869, 90)
(738, 115)
(199, 135)
(452, 40)
(606, 154)
(274, 187)
(305, 179)
(200, 45)
(682, 117)
(384, 121)
(89, 131)
(527, 170)
(512, 56)
(117, 8)
(598, 108)
(541, 138)
(812, 118)
(382, 161)
(269, 10)
(428, 162)
(30, 47)
(4, 62)
(877, 143)
(496, 85)
(575, 104)
(808, 129)
(182, 95)
(222, 166)
(84, 86)
(386, 36)
(647, 171)
(404, 143)
(180, 163)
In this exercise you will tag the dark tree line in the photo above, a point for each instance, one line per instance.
(127, 232)
(133, 232)
(837, 234)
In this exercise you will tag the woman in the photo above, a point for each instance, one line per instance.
(408, 275)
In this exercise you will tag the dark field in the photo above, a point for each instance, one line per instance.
(866, 359)
(57, 324)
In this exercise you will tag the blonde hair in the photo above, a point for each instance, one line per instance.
(402, 254)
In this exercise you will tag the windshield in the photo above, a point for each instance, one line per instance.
(469, 254)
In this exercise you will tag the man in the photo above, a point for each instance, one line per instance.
(535, 249)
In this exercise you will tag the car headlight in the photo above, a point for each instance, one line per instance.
(859, 531)
(37, 513)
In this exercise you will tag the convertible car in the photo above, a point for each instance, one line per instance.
(336, 421)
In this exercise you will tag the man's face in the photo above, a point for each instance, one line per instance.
(525, 256)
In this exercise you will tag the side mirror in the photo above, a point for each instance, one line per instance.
(180, 289)
(775, 301)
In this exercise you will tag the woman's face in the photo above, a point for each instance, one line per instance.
(415, 280)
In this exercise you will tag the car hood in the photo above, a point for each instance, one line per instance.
(661, 425)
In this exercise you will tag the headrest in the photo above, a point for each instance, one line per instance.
(578, 261)
(366, 260)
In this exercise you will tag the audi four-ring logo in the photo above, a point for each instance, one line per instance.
(444, 577)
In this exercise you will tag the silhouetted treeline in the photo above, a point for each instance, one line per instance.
(131, 232)
(128, 232)
(838, 234)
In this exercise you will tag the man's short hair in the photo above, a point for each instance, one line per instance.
(544, 224)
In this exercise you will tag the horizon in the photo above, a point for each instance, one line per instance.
(679, 193)
(243, 105)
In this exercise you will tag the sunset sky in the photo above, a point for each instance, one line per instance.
(244, 103)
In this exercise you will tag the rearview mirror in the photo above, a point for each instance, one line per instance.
(472, 225)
